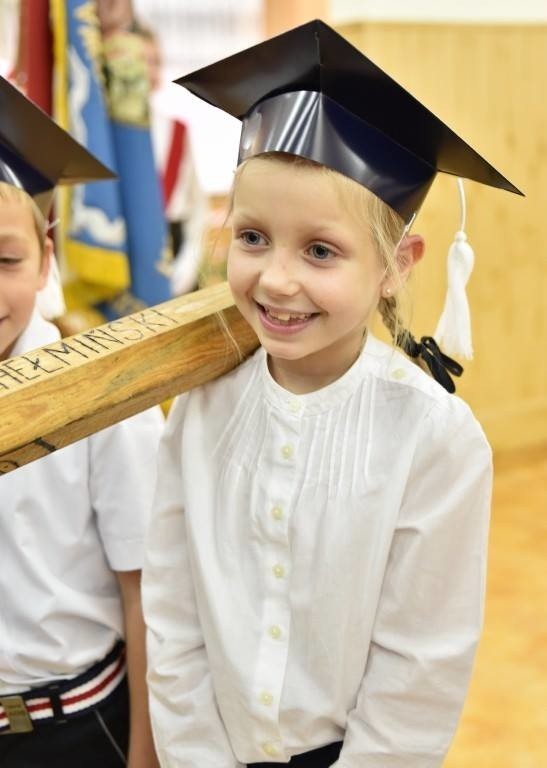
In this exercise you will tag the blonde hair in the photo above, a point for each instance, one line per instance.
(385, 226)
(10, 193)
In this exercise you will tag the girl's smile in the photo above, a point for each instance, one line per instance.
(279, 320)
(303, 270)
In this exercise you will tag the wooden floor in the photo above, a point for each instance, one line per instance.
(504, 724)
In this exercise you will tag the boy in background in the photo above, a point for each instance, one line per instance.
(71, 524)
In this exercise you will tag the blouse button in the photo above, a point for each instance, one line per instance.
(266, 698)
(278, 571)
(398, 374)
(275, 632)
(287, 451)
(270, 749)
(295, 406)
(277, 513)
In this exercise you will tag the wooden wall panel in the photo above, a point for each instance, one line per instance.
(280, 15)
(488, 84)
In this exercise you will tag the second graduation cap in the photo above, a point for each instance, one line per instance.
(309, 92)
(36, 154)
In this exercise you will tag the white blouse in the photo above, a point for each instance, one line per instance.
(315, 568)
(67, 521)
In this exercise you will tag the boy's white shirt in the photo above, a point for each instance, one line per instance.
(67, 522)
(315, 568)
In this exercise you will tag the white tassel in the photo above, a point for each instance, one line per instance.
(453, 331)
(50, 301)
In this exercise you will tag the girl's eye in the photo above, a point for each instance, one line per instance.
(9, 261)
(320, 252)
(250, 237)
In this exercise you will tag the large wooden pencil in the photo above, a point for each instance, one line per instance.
(69, 389)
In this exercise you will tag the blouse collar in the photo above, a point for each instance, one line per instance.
(326, 398)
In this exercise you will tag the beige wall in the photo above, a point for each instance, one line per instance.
(488, 84)
(280, 15)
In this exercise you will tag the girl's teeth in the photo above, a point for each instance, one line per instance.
(285, 317)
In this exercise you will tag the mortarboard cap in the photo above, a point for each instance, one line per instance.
(309, 92)
(36, 154)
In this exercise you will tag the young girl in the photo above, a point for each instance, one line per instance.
(316, 560)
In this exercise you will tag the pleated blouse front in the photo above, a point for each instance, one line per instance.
(317, 561)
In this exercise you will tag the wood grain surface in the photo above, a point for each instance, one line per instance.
(71, 388)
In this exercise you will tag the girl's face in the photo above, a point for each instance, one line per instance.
(23, 271)
(303, 271)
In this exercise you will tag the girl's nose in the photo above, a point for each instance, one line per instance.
(279, 274)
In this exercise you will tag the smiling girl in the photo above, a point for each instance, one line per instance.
(315, 569)
(304, 268)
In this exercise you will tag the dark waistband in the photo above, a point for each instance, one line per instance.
(68, 684)
(60, 700)
(323, 757)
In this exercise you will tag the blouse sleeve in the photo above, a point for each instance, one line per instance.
(187, 726)
(430, 612)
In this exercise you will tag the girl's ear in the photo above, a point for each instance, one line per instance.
(410, 251)
(47, 256)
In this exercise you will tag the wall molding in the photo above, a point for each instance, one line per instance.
(465, 11)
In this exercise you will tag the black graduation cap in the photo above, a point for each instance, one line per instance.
(309, 92)
(36, 154)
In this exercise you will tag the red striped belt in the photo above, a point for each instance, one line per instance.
(63, 699)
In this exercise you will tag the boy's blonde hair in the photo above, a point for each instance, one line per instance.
(9, 193)
(386, 228)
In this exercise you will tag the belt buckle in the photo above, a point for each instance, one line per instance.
(17, 714)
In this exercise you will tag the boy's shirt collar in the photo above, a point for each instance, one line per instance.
(37, 333)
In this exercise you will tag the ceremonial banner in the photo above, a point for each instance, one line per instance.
(113, 232)
(142, 196)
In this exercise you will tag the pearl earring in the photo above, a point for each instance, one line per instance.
(387, 291)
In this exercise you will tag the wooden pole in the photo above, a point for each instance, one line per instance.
(74, 387)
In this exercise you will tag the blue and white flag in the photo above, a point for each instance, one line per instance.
(115, 232)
